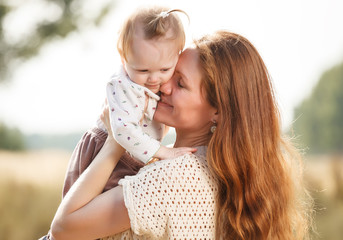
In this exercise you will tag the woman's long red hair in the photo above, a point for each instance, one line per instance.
(257, 185)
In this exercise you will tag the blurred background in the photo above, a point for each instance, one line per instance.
(57, 55)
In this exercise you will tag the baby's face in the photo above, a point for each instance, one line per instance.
(151, 63)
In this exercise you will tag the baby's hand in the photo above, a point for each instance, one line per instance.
(164, 152)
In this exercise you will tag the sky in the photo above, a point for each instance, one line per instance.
(62, 89)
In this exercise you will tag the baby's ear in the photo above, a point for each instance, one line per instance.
(123, 61)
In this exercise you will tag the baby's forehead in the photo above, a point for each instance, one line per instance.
(147, 48)
(151, 57)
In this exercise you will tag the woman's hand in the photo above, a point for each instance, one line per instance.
(105, 118)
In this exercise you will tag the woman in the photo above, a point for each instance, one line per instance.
(242, 183)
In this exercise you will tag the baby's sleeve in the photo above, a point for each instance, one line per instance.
(126, 104)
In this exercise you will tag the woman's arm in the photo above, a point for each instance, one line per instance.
(85, 213)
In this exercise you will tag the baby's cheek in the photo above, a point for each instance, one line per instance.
(169, 76)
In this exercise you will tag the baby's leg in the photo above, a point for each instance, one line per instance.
(127, 166)
(83, 154)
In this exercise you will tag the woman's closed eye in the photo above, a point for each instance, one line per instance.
(179, 83)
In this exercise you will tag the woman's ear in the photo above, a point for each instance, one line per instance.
(215, 116)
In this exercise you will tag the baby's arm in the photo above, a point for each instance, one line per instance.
(126, 105)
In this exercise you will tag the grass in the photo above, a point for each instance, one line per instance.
(31, 185)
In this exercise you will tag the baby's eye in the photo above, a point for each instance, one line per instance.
(165, 69)
(142, 70)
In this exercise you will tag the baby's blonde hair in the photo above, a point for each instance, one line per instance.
(156, 22)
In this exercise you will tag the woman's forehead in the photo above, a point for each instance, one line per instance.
(189, 65)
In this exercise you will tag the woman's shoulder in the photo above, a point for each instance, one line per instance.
(191, 166)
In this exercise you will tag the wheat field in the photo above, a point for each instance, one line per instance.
(31, 184)
(30, 191)
(45, 168)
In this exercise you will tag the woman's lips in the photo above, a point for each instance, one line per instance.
(163, 103)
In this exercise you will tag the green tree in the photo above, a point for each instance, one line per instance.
(319, 118)
(11, 138)
(69, 17)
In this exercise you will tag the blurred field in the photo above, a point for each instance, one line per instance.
(30, 191)
(324, 175)
(31, 184)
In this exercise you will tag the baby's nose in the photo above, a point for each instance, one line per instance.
(154, 78)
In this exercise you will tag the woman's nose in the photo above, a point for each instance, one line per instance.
(166, 88)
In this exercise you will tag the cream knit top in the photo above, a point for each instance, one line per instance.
(171, 199)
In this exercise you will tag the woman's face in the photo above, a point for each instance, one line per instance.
(182, 103)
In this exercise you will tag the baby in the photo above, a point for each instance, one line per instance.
(149, 44)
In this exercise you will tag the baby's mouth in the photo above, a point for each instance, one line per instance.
(152, 85)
